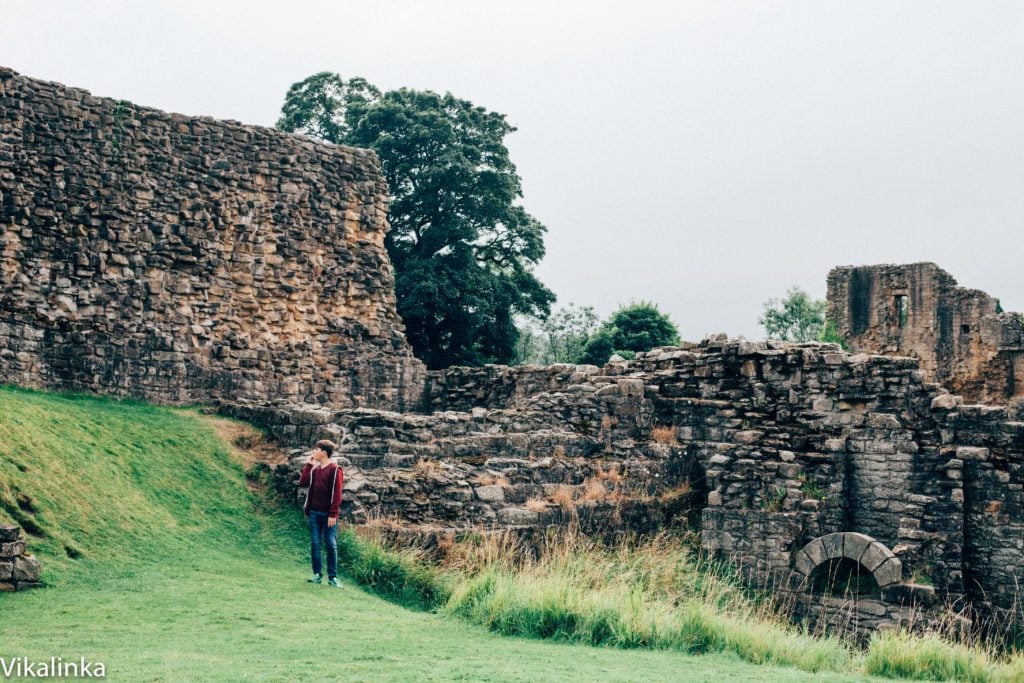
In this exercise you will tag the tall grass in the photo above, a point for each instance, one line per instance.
(654, 594)
(929, 657)
(401, 576)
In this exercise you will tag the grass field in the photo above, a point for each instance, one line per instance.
(163, 564)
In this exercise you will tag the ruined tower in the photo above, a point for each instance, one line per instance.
(961, 336)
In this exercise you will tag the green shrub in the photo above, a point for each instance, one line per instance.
(637, 327)
(830, 334)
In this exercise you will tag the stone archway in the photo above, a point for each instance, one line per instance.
(884, 566)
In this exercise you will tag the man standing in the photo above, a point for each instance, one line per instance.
(323, 502)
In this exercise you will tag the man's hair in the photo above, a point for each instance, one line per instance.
(327, 446)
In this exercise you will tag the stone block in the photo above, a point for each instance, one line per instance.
(873, 608)
(749, 436)
(26, 568)
(910, 594)
(833, 544)
(803, 563)
(11, 549)
(816, 551)
(855, 544)
(354, 484)
(972, 453)
(517, 516)
(946, 402)
(835, 445)
(883, 421)
(631, 387)
(717, 541)
(822, 405)
(6, 570)
(9, 532)
(875, 555)
(751, 348)
(888, 572)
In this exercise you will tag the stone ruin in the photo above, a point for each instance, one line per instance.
(19, 569)
(180, 259)
(962, 337)
(798, 462)
(187, 260)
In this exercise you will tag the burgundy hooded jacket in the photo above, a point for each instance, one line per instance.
(325, 484)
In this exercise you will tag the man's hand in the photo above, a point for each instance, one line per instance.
(331, 521)
(313, 461)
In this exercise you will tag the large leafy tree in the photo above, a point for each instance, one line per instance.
(462, 246)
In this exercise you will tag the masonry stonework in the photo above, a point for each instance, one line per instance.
(961, 336)
(19, 569)
(183, 259)
(775, 451)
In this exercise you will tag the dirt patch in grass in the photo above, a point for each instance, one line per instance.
(250, 444)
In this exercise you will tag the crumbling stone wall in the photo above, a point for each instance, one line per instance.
(988, 455)
(19, 569)
(960, 335)
(183, 259)
(771, 449)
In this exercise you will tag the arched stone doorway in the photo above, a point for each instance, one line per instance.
(884, 566)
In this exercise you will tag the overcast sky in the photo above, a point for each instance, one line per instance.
(703, 155)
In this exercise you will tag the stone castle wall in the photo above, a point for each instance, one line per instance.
(959, 335)
(786, 457)
(182, 259)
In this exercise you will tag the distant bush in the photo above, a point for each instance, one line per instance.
(637, 327)
(795, 318)
(560, 338)
(830, 334)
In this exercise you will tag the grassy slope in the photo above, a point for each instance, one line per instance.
(183, 573)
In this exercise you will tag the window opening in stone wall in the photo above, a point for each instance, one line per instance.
(844, 578)
(965, 329)
(901, 310)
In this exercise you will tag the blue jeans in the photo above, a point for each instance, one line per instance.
(318, 528)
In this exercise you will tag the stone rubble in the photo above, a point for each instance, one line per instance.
(19, 569)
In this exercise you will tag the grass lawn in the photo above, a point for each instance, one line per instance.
(164, 565)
